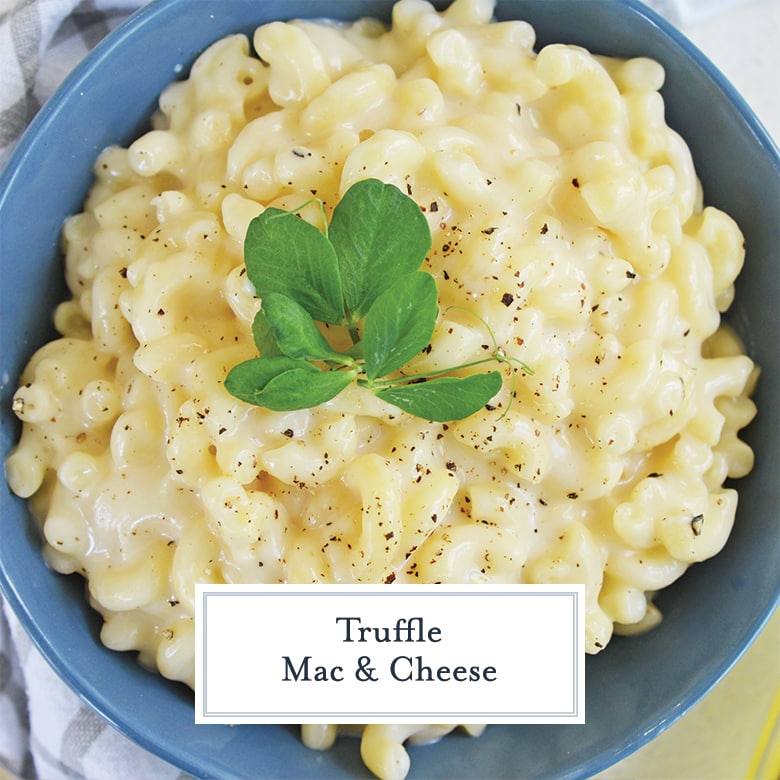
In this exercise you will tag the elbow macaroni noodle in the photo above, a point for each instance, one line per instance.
(564, 213)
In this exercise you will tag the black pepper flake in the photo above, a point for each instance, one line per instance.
(451, 465)
(575, 182)
(489, 231)
(572, 495)
(434, 207)
(696, 523)
(390, 578)
(544, 229)
(654, 475)
(630, 274)
(289, 433)
(507, 299)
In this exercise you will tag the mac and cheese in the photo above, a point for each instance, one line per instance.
(565, 214)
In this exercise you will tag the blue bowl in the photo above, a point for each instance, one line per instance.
(638, 686)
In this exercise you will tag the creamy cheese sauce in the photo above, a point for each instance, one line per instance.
(567, 224)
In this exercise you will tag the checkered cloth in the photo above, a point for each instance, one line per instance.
(46, 731)
(40, 43)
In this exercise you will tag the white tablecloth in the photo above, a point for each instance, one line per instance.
(46, 731)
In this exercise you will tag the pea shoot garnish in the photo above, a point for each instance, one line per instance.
(361, 274)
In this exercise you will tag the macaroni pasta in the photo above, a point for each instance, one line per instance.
(564, 213)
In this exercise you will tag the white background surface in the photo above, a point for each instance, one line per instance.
(744, 43)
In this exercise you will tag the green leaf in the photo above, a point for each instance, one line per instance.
(295, 332)
(356, 351)
(363, 274)
(285, 254)
(248, 379)
(302, 389)
(264, 337)
(283, 384)
(445, 399)
(379, 234)
(400, 323)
